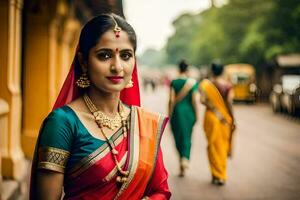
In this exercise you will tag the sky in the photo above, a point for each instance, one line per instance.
(152, 19)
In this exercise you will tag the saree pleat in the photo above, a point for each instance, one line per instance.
(150, 129)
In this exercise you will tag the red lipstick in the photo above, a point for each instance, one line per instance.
(115, 79)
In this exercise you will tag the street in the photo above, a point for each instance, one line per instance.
(265, 163)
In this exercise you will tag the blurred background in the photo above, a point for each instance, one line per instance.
(257, 40)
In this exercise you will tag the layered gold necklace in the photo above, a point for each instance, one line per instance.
(103, 120)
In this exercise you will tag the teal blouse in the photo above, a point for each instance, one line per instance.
(64, 140)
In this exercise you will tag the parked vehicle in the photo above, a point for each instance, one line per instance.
(275, 97)
(243, 78)
(285, 97)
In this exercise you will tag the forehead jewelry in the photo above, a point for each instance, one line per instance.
(117, 28)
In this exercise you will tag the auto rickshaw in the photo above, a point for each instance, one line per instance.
(242, 77)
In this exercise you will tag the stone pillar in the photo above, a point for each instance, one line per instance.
(10, 91)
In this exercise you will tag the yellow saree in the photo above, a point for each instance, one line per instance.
(218, 125)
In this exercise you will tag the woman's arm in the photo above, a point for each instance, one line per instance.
(195, 103)
(202, 96)
(53, 152)
(171, 101)
(158, 188)
(49, 185)
(230, 97)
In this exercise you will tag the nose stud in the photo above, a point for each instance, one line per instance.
(113, 68)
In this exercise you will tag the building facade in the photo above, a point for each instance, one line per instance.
(38, 40)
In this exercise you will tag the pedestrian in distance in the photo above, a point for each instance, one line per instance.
(97, 143)
(183, 112)
(217, 95)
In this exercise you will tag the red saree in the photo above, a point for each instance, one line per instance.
(91, 179)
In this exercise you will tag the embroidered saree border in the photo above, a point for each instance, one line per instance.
(88, 161)
(52, 159)
(161, 123)
(134, 151)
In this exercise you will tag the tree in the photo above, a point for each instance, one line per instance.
(251, 31)
(153, 58)
(178, 45)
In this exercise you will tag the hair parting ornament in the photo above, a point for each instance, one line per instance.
(117, 28)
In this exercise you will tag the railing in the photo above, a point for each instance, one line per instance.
(4, 109)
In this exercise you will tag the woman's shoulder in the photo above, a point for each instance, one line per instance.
(60, 113)
(61, 116)
(57, 129)
(226, 84)
(178, 82)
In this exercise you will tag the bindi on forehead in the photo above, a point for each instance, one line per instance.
(117, 49)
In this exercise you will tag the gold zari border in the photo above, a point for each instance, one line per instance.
(53, 159)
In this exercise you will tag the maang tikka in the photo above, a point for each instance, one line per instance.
(117, 28)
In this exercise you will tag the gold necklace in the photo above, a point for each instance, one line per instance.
(123, 175)
(102, 118)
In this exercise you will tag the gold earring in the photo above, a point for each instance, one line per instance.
(83, 81)
(130, 84)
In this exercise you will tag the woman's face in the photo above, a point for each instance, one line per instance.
(111, 62)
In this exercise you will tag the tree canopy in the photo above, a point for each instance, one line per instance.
(250, 31)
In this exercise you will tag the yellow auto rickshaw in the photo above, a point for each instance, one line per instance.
(242, 77)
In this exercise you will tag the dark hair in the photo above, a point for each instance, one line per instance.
(217, 69)
(183, 66)
(96, 27)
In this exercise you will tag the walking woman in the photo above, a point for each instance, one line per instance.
(96, 143)
(183, 113)
(217, 95)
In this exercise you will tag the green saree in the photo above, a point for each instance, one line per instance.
(183, 115)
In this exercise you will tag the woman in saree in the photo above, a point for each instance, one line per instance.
(97, 143)
(217, 95)
(183, 113)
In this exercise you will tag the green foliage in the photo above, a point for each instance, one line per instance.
(153, 58)
(251, 31)
(202, 51)
(176, 46)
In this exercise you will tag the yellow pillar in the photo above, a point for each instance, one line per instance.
(10, 48)
(45, 63)
(39, 76)
(67, 49)
(4, 109)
